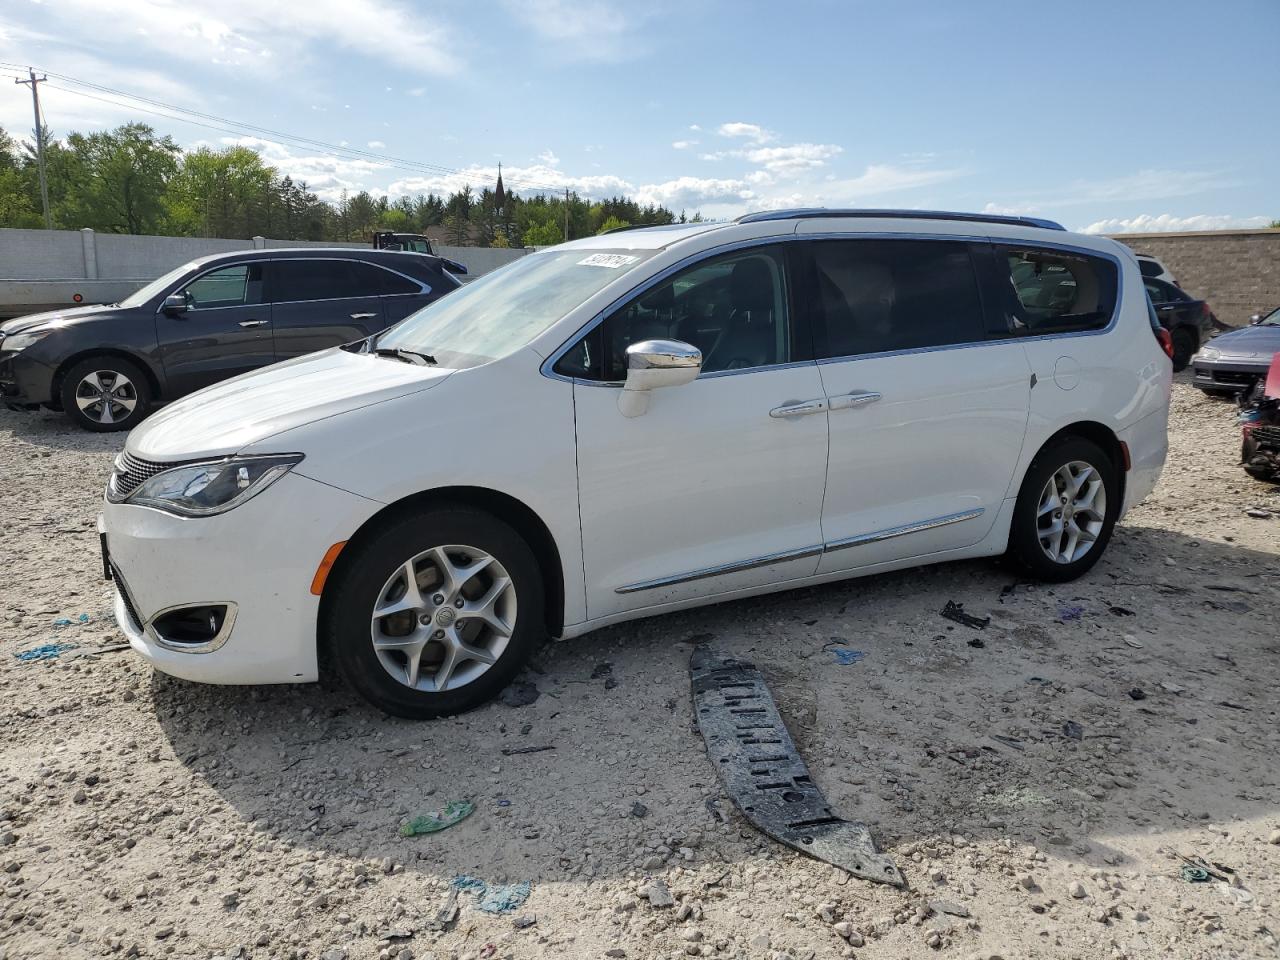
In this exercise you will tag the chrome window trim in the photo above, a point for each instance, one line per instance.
(423, 288)
(546, 368)
(817, 550)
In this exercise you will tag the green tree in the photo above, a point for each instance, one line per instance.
(122, 178)
(612, 223)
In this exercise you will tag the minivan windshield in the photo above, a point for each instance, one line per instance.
(139, 297)
(495, 315)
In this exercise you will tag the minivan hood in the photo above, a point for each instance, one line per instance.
(1258, 342)
(52, 318)
(225, 418)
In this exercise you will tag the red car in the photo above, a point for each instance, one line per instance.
(1260, 420)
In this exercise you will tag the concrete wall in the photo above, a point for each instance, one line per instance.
(83, 254)
(1236, 271)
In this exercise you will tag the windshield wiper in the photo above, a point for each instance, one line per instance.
(408, 356)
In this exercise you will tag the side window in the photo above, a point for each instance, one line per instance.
(1059, 292)
(733, 308)
(237, 286)
(369, 280)
(1155, 292)
(880, 295)
(310, 280)
(1149, 268)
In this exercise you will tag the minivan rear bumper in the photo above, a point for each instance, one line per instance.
(1148, 444)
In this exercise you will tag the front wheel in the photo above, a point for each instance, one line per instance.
(1065, 511)
(104, 394)
(436, 613)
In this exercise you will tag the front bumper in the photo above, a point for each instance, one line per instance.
(1226, 375)
(260, 557)
(24, 382)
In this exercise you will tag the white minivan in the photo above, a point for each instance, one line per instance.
(635, 423)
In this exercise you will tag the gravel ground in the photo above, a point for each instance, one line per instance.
(143, 816)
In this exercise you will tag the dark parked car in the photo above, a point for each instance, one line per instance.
(208, 320)
(1234, 362)
(1189, 321)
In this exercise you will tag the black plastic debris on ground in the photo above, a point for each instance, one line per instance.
(605, 670)
(1073, 730)
(955, 611)
(519, 694)
(764, 774)
(1137, 693)
(516, 751)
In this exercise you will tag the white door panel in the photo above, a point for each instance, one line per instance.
(704, 479)
(925, 466)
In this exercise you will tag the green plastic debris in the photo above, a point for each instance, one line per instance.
(455, 812)
(1195, 874)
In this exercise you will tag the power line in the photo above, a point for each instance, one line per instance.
(336, 150)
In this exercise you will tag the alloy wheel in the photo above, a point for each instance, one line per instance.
(443, 618)
(1071, 512)
(106, 396)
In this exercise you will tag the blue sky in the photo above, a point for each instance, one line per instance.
(1117, 115)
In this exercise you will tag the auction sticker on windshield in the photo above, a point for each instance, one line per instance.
(611, 260)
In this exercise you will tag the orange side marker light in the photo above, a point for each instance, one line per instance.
(326, 564)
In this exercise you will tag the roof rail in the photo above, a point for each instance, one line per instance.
(817, 213)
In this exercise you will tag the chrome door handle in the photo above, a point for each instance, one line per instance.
(802, 409)
(254, 323)
(363, 316)
(859, 398)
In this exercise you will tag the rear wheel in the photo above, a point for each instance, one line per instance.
(1184, 348)
(1065, 511)
(435, 614)
(106, 393)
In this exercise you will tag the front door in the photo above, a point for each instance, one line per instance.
(717, 487)
(225, 330)
(317, 304)
(927, 414)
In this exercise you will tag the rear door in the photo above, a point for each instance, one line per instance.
(927, 411)
(319, 303)
(225, 330)
(404, 293)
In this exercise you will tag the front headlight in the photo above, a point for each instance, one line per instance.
(1210, 353)
(20, 341)
(205, 489)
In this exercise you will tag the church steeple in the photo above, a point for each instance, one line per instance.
(499, 195)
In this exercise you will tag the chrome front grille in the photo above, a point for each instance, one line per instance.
(129, 473)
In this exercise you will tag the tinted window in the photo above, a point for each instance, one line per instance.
(1156, 294)
(1058, 292)
(1149, 268)
(228, 287)
(372, 281)
(733, 308)
(310, 280)
(1162, 292)
(879, 295)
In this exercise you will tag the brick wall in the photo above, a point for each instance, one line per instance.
(1237, 271)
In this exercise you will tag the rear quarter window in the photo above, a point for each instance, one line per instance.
(1059, 292)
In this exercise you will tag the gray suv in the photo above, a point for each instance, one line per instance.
(205, 321)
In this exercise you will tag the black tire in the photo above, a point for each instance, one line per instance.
(1025, 550)
(359, 582)
(1218, 394)
(1185, 345)
(126, 381)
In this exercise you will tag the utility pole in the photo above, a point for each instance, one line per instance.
(35, 106)
(566, 214)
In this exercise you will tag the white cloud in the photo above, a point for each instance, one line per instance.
(751, 131)
(416, 91)
(592, 30)
(325, 176)
(683, 144)
(689, 192)
(549, 158)
(248, 35)
(1011, 210)
(695, 128)
(377, 145)
(1167, 223)
(800, 156)
(881, 178)
(1143, 185)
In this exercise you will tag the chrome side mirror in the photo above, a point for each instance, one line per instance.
(175, 303)
(656, 363)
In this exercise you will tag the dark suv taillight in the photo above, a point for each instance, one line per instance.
(1166, 341)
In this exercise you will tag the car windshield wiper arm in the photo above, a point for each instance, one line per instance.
(408, 356)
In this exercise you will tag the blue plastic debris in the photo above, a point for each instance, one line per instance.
(846, 657)
(1069, 613)
(495, 898)
(47, 651)
(65, 622)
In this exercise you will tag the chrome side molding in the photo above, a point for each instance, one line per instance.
(803, 552)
